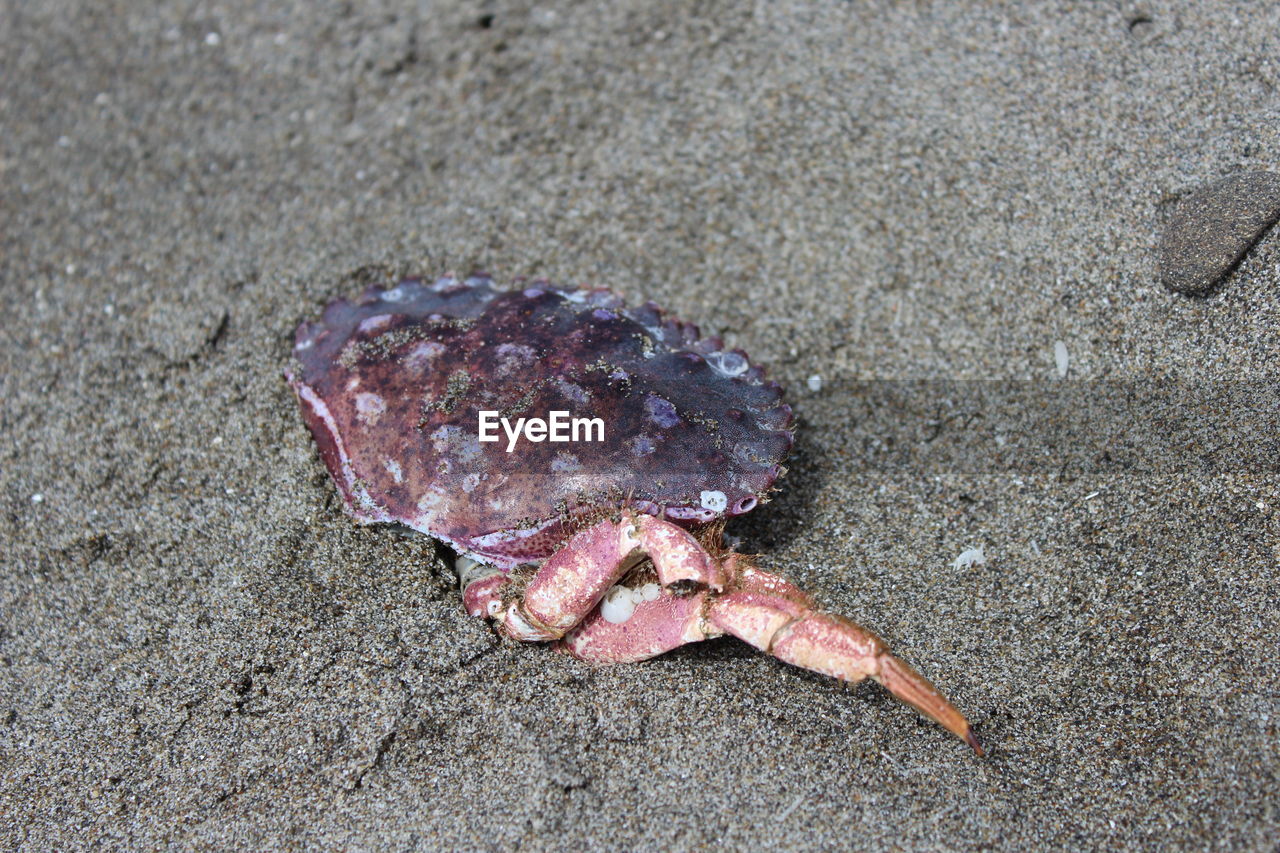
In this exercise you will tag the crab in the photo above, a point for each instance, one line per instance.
(612, 550)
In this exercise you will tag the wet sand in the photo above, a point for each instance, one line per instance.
(200, 650)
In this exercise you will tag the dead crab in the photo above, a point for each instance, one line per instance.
(611, 548)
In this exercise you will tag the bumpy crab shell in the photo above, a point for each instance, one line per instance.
(392, 386)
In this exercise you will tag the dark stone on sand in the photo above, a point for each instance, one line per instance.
(1212, 229)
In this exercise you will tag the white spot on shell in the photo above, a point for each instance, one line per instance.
(395, 294)
(365, 500)
(727, 363)
(372, 324)
(451, 440)
(511, 357)
(471, 481)
(641, 445)
(369, 407)
(714, 500)
(573, 393)
(423, 354)
(604, 297)
(354, 383)
(394, 469)
(649, 592)
(618, 605)
(565, 463)
(575, 296)
(428, 504)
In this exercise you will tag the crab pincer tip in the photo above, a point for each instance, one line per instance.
(914, 689)
(972, 739)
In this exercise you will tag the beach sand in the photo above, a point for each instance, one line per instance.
(910, 201)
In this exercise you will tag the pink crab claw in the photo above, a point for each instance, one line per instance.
(701, 591)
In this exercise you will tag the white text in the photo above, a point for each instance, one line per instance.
(559, 427)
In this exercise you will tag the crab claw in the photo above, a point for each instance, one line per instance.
(777, 617)
(577, 597)
(574, 579)
(678, 557)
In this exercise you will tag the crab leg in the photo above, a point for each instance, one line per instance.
(776, 617)
(572, 581)
(652, 628)
(700, 597)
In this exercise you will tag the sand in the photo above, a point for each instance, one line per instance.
(201, 651)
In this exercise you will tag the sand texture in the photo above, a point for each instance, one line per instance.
(914, 202)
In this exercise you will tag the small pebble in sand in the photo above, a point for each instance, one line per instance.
(970, 557)
(815, 383)
(1061, 358)
(1211, 229)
